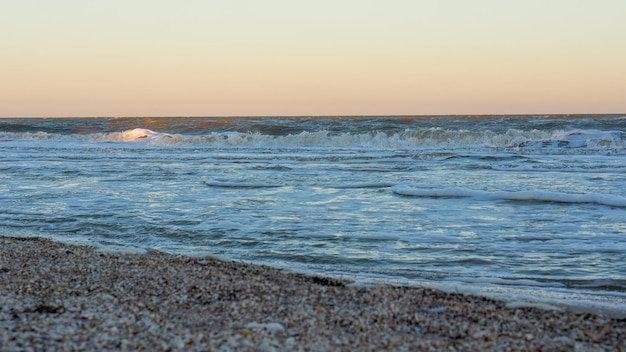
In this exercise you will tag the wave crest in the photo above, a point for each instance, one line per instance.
(431, 138)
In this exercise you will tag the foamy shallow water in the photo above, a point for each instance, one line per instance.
(533, 203)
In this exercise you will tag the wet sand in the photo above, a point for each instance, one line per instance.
(55, 296)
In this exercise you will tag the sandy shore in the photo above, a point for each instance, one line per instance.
(55, 296)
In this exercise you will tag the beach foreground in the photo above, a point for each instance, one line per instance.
(56, 296)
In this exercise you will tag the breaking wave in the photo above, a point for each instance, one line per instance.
(409, 138)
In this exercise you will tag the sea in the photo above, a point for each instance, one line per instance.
(530, 207)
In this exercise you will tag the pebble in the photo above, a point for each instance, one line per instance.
(60, 297)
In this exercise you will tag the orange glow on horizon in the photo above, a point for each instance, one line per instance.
(159, 58)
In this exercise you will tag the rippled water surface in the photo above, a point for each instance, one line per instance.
(534, 201)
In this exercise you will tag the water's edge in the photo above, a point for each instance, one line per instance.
(613, 306)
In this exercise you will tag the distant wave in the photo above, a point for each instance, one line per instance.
(134, 135)
(579, 138)
(429, 138)
(537, 196)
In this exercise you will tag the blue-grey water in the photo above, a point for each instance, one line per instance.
(500, 201)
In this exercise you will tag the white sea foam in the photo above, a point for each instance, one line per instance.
(239, 184)
(409, 138)
(507, 282)
(202, 186)
(363, 185)
(579, 137)
(533, 295)
(578, 170)
(134, 135)
(537, 195)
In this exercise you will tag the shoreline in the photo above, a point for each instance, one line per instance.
(56, 296)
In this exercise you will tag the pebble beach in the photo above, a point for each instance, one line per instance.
(61, 297)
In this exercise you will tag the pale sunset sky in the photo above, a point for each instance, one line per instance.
(317, 57)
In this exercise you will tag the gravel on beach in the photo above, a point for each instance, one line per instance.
(55, 296)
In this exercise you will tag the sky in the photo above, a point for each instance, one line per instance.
(306, 58)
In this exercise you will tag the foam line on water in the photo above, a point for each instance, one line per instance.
(363, 185)
(537, 296)
(532, 196)
(238, 184)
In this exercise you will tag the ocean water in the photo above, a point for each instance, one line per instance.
(515, 203)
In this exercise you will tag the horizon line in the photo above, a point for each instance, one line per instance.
(304, 116)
